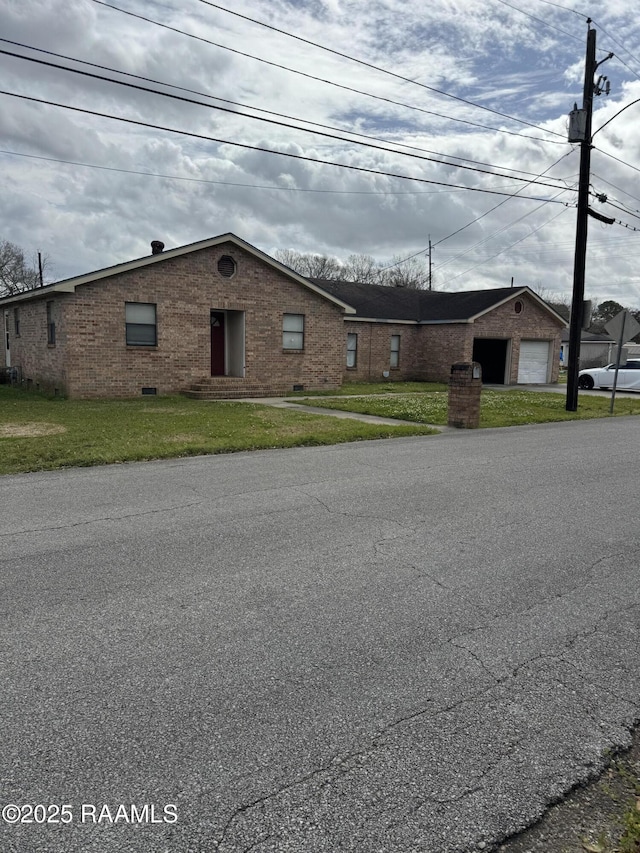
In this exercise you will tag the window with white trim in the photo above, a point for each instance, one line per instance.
(293, 331)
(352, 349)
(141, 327)
(394, 360)
(51, 325)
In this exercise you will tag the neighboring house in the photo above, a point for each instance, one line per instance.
(219, 318)
(596, 350)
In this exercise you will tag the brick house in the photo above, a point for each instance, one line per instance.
(418, 334)
(219, 318)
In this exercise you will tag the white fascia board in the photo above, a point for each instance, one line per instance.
(521, 291)
(69, 285)
(444, 322)
(377, 320)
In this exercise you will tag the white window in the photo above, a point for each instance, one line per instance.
(293, 331)
(395, 351)
(140, 319)
(352, 350)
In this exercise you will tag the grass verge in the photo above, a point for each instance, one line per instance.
(40, 433)
(498, 408)
(356, 388)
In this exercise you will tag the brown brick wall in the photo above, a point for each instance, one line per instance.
(534, 323)
(185, 290)
(42, 366)
(374, 351)
(446, 344)
(441, 346)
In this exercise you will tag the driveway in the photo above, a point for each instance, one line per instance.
(407, 645)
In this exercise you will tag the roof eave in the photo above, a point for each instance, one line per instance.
(69, 285)
(519, 291)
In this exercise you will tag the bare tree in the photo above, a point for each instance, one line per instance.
(560, 302)
(362, 268)
(310, 264)
(16, 274)
(412, 273)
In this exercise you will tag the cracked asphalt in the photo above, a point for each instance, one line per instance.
(405, 645)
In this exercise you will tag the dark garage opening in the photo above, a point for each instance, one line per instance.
(492, 355)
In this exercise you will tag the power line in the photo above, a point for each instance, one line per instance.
(605, 181)
(332, 83)
(252, 117)
(617, 159)
(564, 8)
(494, 234)
(226, 183)
(623, 209)
(269, 150)
(615, 41)
(478, 218)
(538, 20)
(626, 107)
(506, 249)
(374, 67)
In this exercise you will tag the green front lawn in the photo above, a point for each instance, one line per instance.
(359, 388)
(40, 433)
(497, 409)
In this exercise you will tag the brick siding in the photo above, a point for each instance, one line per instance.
(90, 330)
(91, 358)
(374, 351)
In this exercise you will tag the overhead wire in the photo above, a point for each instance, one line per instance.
(477, 218)
(265, 150)
(246, 115)
(229, 183)
(371, 65)
(605, 181)
(538, 20)
(333, 83)
(494, 234)
(506, 249)
(617, 159)
(564, 8)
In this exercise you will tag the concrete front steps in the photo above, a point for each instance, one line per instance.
(231, 388)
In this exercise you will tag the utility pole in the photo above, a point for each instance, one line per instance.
(430, 274)
(579, 263)
(575, 325)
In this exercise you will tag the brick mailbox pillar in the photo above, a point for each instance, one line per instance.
(465, 384)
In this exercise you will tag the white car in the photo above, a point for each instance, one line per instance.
(602, 377)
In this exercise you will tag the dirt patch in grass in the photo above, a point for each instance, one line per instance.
(30, 430)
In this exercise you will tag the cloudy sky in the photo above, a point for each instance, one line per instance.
(451, 115)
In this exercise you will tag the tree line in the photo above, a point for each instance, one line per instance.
(412, 273)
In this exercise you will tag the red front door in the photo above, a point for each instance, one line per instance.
(217, 343)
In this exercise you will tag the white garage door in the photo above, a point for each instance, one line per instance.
(533, 366)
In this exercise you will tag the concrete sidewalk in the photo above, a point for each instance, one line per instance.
(288, 403)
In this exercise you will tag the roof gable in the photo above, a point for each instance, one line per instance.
(69, 285)
(381, 302)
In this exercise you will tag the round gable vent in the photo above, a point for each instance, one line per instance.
(518, 306)
(226, 266)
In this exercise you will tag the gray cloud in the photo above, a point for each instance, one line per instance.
(85, 218)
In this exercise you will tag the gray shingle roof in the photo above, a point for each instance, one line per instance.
(379, 302)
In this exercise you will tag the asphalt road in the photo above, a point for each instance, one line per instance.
(407, 645)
